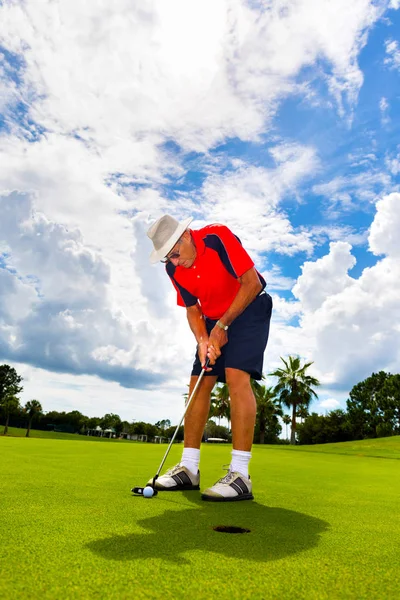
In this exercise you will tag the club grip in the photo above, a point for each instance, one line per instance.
(205, 366)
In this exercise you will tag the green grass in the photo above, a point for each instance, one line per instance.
(378, 448)
(324, 525)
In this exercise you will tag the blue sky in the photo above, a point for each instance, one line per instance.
(279, 119)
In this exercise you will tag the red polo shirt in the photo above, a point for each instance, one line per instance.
(212, 280)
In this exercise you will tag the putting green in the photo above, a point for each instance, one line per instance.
(324, 524)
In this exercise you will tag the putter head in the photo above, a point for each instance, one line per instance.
(138, 491)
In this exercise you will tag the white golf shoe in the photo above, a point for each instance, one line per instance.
(177, 479)
(234, 486)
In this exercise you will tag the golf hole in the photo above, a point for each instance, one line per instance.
(230, 529)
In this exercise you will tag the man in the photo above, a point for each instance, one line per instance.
(229, 313)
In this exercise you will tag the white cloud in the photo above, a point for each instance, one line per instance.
(8, 88)
(62, 314)
(394, 165)
(247, 200)
(324, 277)
(384, 235)
(383, 106)
(17, 298)
(276, 280)
(329, 404)
(392, 54)
(196, 72)
(346, 193)
(354, 322)
(321, 233)
(285, 310)
(95, 397)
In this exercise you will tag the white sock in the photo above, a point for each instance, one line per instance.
(240, 462)
(191, 459)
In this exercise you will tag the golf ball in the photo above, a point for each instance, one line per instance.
(148, 492)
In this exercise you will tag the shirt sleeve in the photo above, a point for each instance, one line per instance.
(231, 252)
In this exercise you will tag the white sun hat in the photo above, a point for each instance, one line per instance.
(164, 234)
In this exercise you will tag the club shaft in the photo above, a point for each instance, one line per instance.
(192, 395)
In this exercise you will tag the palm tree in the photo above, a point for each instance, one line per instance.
(286, 419)
(10, 404)
(302, 413)
(220, 403)
(268, 409)
(294, 387)
(32, 408)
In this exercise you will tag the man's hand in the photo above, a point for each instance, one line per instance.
(202, 349)
(218, 338)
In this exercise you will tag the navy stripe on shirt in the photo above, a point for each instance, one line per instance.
(187, 297)
(214, 241)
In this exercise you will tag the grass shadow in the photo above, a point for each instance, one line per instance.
(274, 533)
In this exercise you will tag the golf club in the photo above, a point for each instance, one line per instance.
(140, 491)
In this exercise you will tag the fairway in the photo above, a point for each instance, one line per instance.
(324, 524)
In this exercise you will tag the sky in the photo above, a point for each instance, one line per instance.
(279, 119)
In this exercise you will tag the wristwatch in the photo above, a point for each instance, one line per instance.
(222, 326)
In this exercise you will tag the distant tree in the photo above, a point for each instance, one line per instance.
(10, 405)
(374, 406)
(268, 411)
(318, 429)
(287, 420)
(390, 403)
(10, 383)
(139, 428)
(151, 430)
(76, 420)
(69, 422)
(125, 427)
(294, 387)
(171, 430)
(93, 422)
(313, 430)
(302, 413)
(111, 421)
(33, 408)
(338, 427)
(164, 424)
(212, 430)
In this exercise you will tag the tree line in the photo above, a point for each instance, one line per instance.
(269, 409)
(373, 410)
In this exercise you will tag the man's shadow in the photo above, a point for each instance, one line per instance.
(274, 532)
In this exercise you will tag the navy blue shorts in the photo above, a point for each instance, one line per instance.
(247, 340)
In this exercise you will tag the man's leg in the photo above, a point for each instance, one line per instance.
(185, 475)
(236, 485)
(243, 409)
(197, 414)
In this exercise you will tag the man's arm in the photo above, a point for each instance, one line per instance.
(250, 287)
(196, 323)
(198, 327)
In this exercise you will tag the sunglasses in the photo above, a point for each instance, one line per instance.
(173, 255)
